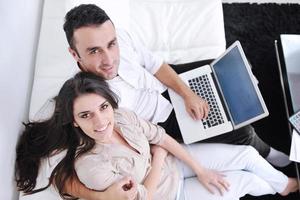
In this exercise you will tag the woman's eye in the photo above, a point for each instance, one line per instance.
(103, 107)
(84, 116)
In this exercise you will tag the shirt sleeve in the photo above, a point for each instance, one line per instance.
(141, 192)
(146, 58)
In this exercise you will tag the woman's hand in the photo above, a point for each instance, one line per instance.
(211, 178)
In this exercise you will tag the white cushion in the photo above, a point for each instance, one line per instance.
(46, 168)
(180, 31)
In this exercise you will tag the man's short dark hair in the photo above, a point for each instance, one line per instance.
(81, 16)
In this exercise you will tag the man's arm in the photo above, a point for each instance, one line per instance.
(125, 189)
(195, 105)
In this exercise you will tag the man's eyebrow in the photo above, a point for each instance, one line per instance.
(92, 48)
(112, 41)
(98, 48)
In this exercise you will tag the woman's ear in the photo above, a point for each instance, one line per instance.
(75, 124)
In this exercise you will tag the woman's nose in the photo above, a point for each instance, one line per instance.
(98, 119)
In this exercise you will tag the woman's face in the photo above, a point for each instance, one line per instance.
(95, 116)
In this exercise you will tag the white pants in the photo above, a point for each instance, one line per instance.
(245, 170)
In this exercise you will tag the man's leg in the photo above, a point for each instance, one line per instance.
(243, 136)
(247, 136)
(172, 128)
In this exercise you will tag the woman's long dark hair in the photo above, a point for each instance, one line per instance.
(43, 139)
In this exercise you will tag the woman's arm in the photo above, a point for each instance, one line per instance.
(158, 158)
(125, 189)
(207, 177)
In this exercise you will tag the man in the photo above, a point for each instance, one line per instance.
(140, 78)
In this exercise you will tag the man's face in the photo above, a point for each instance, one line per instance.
(97, 49)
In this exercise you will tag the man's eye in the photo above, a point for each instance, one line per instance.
(112, 44)
(94, 51)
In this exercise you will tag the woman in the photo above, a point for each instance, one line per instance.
(104, 144)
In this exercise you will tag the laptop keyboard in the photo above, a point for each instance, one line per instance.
(201, 86)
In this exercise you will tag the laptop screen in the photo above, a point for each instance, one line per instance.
(290, 46)
(237, 87)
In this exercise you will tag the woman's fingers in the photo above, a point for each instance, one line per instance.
(220, 187)
(225, 184)
(220, 183)
(213, 180)
(209, 188)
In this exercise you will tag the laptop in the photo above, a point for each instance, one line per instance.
(230, 89)
(287, 52)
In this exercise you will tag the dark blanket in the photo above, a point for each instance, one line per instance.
(256, 26)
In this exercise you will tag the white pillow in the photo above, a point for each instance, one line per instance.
(46, 168)
(180, 31)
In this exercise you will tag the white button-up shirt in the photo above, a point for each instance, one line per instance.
(136, 85)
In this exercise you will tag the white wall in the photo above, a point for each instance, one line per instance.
(20, 23)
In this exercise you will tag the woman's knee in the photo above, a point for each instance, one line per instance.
(250, 154)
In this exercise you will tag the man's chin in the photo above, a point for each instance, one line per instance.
(106, 76)
(111, 76)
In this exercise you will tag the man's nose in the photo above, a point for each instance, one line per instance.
(107, 58)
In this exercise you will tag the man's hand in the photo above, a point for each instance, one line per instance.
(196, 106)
(125, 189)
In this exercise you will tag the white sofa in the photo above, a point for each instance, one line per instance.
(180, 31)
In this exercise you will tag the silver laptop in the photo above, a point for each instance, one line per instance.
(230, 89)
